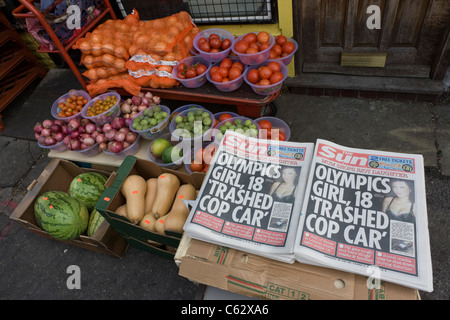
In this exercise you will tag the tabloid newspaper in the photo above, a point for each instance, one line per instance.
(365, 212)
(251, 197)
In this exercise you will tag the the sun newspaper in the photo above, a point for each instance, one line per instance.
(251, 197)
(365, 212)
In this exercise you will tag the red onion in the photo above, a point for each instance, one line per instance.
(126, 108)
(119, 136)
(89, 141)
(118, 123)
(148, 95)
(110, 134)
(141, 107)
(90, 127)
(102, 146)
(145, 102)
(74, 134)
(83, 146)
(131, 137)
(128, 120)
(84, 121)
(41, 140)
(124, 130)
(65, 129)
(100, 138)
(116, 146)
(128, 101)
(133, 114)
(59, 122)
(84, 136)
(46, 132)
(49, 141)
(134, 108)
(74, 144)
(74, 124)
(36, 135)
(38, 127)
(140, 94)
(98, 128)
(125, 145)
(156, 99)
(59, 136)
(55, 127)
(95, 134)
(136, 100)
(66, 140)
(126, 116)
(47, 123)
(106, 127)
(81, 129)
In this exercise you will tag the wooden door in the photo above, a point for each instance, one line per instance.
(414, 35)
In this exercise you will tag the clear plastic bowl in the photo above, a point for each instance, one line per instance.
(217, 134)
(90, 152)
(287, 59)
(56, 109)
(131, 150)
(188, 159)
(277, 123)
(218, 114)
(173, 165)
(254, 58)
(106, 116)
(266, 90)
(205, 137)
(155, 131)
(57, 147)
(230, 85)
(182, 108)
(218, 56)
(198, 80)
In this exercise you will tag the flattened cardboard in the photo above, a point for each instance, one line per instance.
(112, 198)
(57, 176)
(260, 277)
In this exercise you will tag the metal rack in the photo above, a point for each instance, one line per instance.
(56, 27)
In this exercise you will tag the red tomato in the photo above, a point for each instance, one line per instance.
(226, 63)
(216, 77)
(223, 71)
(214, 50)
(215, 43)
(190, 73)
(275, 66)
(196, 167)
(265, 124)
(288, 47)
(277, 76)
(201, 68)
(234, 73)
(251, 50)
(278, 135)
(201, 40)
(277, 48)
(225, 116)
(181, 67)
(225, 79)
(205, 168)
(272, 54)
(180, 75)
(238, 65)
(263, 37)
(253, 76)
(264, 72)
(213, 70)
(264, 82)
(226, 43)
(280, 39)
(204, 46)
(241, 46)
(213, 36)
(264, 46)
(250, 37)
(198, 156)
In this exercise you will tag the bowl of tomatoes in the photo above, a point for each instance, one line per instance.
(213, 44)
(283, 50)
(273, 128)
(191, 71)
(266, 78)
(254, 47)
(200, 157)
(227, 75)
(69, 105)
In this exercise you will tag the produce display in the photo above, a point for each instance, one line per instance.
(253, 43)
(71, 106)
(282, 47)
(266, 75)
(192, 123)
(50, 132)
(132, 106)
(156, 204)
(226, 70)
(214, 43)
(149, 118)
(65, 216)
(101, 105)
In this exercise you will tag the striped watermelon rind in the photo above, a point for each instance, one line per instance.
(44, 200)
(88, 187)
(95, 221)
(64, 218)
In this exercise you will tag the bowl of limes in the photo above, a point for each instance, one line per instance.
(151, 122)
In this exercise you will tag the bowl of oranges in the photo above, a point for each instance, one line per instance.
(103, 108)
(69, 105)
(227, 75)
(254, 47)
(266, 78)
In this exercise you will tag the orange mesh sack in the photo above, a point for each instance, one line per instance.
(106, 60)
(161, 35)
(111, 37)
(121, 80)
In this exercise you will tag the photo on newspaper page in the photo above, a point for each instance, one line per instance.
(365, 210)
(251, 197)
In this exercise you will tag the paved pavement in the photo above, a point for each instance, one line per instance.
(33, 267)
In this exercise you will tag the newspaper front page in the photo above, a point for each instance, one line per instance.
(365, 212)
(251, 197)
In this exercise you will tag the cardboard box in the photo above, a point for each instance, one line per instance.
(260, 277)
(57, 176)
(112, 198)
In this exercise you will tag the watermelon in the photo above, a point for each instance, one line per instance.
(95, 221)
(63, 218)
(88, 187)
(44, 200)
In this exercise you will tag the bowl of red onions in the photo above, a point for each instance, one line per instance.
(117, 139)
(80, 137)
(51, 133)
(132, 106)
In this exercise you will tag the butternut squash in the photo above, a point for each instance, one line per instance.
(177, 216)
(159, 225)
(122, 210)
(134, 188)
(150, 195)
(167, 187)
(148, 222)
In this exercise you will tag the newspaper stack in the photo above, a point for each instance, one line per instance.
(251, 197)
(365, 212)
